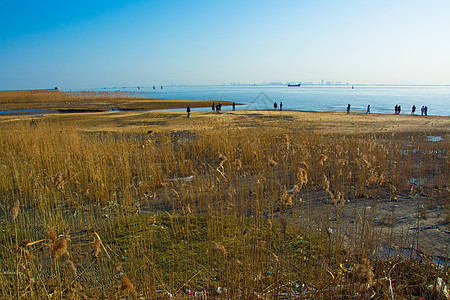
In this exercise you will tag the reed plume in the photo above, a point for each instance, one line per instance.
(364, 275)
(52, 235)
(58, 181)
(15, 210)
(72, 268)
(302, 176)
(322, 159)
(126, 287)
(326, 183)
(238, 164)
(219, 248)
(96, 246)
(60, 247)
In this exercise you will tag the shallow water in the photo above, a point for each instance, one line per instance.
(382, 99)
(22, 111)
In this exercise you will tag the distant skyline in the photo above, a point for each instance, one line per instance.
(93, 44)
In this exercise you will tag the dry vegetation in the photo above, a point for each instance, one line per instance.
(84, 101)
(262, 207)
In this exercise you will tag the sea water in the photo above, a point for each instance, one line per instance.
(382, 99)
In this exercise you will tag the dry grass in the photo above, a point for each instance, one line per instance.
(85, 101)
(256, 208)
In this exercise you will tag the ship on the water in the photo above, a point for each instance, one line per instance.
(290, 84)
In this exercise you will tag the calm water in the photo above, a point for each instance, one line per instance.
(382, 99)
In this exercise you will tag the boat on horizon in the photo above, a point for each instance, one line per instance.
(298, 84)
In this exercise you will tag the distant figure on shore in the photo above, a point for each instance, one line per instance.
(422, 110)
(188, 109)
(275, 105)
(368, 109)
(413, 110)
(281, 106)
(399, 109)
(234, 106)
(348, 109)
(213, 106)
(426, 111)
(395, 109)
(218, 107)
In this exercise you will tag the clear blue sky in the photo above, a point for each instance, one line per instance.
(93, 44)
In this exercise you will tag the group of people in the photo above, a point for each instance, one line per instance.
(275, 106)
(397, 110)
(214, 107)
(423, 110)
(218, 107)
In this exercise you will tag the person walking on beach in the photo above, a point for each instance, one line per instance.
(188, 109)
(348, 109)
(275, 105)
(213, 106)
(395, 109)
(368, 109)
(399, 109)
(281, 106)
(234, 106)
(425, 110)
(422, 110)
(413, 110)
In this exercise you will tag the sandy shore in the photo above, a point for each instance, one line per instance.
(322, 122)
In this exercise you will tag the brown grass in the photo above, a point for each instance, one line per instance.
(85, 101)
(250, 209)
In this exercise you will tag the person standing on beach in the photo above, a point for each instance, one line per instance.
(368, 109)
(275, 105)
(213, 106)
(348, 109)
(188, 109)
(422, 110)
(425, 110)
(399, 109)
(413, 110)
(234, 106)
(281, 106)
(395, 109)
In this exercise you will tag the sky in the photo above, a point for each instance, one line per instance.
(88, 44)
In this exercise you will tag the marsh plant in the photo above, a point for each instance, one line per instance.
(250, 213)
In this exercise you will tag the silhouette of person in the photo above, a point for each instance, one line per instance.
(188, 109)
(413, 110)
(426, 110)
(275, 105)
(368, 109)
(213, 106)
(234, 106)
(281, 106)
(348, 109)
